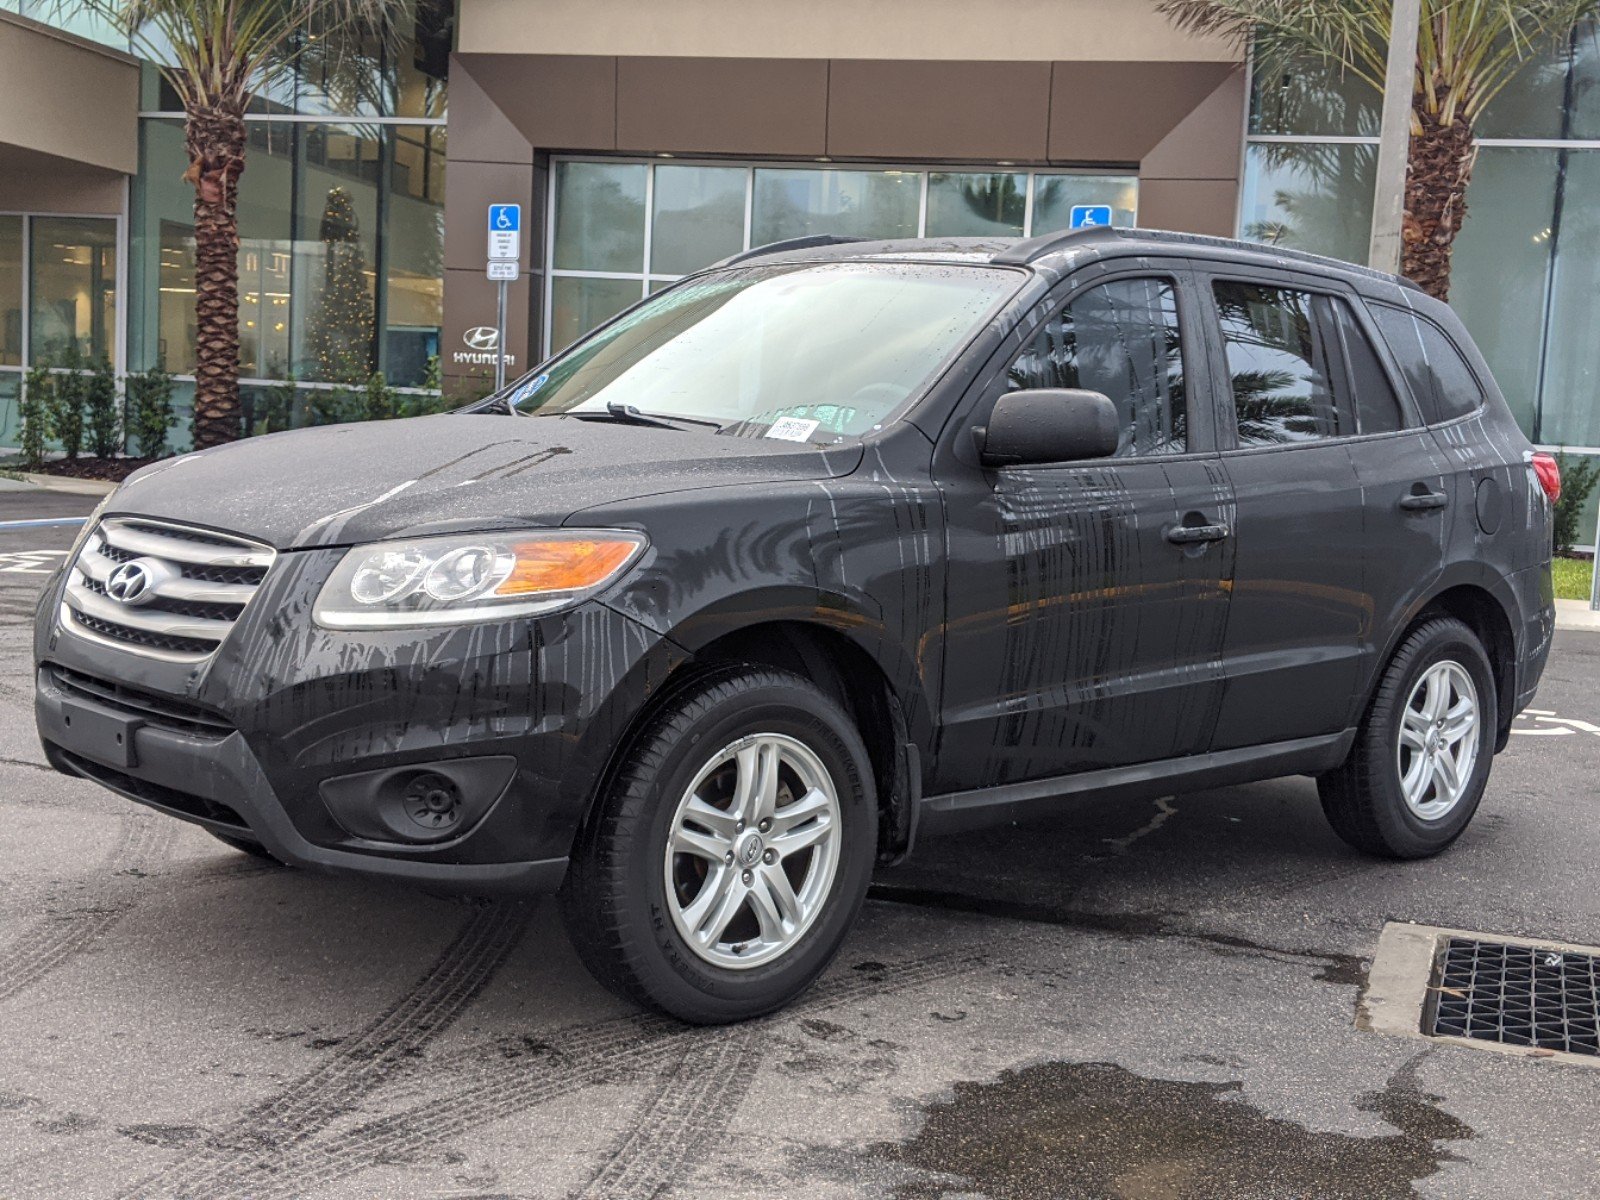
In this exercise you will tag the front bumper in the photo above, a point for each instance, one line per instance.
(266, 739)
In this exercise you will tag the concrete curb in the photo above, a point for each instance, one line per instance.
(1576, 614)
(77, 487)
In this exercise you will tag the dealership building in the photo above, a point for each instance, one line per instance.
(646, 140)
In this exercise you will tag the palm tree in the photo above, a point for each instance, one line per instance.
(1468, 51)
(215, 55)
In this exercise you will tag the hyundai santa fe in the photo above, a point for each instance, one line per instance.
(828, 548)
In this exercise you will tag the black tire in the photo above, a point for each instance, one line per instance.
(615, 897)
(1363, 799)
(245, 846)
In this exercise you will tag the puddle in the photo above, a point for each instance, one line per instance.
(1099, 1130)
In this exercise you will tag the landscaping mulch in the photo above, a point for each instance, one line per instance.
(106, 470)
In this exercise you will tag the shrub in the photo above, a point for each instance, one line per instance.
(37, 400)
(66, 404)
(332, 406)
(150, 413)
(1578, 479)
(100, 399)
(272, 411)
(378, 401)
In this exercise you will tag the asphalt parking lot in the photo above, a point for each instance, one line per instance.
(1148, 1002)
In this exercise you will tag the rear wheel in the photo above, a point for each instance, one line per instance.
(732, 851)
(1421, 758)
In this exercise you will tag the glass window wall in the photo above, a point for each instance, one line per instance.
(1524, 271)
(621, 230)
(10, 291)
(72, 287)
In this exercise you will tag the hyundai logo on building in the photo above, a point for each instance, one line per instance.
(482, 341)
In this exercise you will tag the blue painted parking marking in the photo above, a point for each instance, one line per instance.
(43, 523)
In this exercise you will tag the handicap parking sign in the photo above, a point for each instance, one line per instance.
(1086, 215)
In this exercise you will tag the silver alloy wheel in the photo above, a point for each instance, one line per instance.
(752, 851)
(1438, 744)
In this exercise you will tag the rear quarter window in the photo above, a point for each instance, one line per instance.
(1444, 385)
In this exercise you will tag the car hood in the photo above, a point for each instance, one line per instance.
(346, 484)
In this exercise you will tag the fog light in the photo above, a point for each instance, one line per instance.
(419, 804)
(433, 802)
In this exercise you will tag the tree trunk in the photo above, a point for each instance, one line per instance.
(1437, 175)
(215, 139)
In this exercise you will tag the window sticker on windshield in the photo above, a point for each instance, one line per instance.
(793, 429)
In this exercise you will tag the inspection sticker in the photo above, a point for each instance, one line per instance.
(793, 429)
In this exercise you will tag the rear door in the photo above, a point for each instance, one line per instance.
(1080, 634)
(1300, 609)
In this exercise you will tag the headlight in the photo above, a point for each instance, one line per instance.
(472, 577)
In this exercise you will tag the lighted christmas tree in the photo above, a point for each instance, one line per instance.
(340, 337)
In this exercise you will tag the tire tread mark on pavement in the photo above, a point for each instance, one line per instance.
(142, 843)
(232, 1161)
(608, 1051)
(689, 1105)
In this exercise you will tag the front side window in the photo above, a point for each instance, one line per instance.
(1443, 384)
(1281, 361)
(1121, 339)
(831, 350)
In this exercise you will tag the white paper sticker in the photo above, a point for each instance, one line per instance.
(793, 429)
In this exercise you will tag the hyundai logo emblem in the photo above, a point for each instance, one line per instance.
(130, 583)
(482, 337)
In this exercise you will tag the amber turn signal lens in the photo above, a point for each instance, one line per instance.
(564, 566)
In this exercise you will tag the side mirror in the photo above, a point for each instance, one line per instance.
(1049, 425)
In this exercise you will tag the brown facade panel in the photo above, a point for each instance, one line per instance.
(472, 187)
(553, 101)
(469, 307)
(479, 130)
(938, 110)
(1117, 112)
(1206, 143)
(1190, 205)
(756, 106)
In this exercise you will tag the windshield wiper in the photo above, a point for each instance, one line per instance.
(628, 414)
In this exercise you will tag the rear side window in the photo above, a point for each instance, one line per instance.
(1443, 384)
(1121, 339)
(1282, 358)
(1377, 407)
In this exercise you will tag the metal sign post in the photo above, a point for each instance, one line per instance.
(505, 253)
(1594, 584)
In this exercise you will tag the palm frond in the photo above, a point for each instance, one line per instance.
(1468, 51)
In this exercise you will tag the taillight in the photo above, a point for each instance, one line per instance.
(1549, 473)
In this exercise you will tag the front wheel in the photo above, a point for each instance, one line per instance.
(1421, 758)
(732, 851)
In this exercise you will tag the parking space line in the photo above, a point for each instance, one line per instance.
(42, 523)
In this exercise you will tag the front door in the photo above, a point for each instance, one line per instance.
(1083, 631)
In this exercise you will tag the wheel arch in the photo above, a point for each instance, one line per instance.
(1486, 604)
(826, 646)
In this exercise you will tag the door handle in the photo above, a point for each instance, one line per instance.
(1185, 535)
(1423, 501)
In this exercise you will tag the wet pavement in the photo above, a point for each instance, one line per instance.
(1147, 1001)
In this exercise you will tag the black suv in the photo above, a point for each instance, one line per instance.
(828, 547)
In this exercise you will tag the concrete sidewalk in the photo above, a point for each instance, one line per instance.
(1577, 615)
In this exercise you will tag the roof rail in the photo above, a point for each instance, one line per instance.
(1025, 252)
(799, 243)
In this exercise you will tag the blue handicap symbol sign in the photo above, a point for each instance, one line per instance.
(505, 218)
(1086, 215)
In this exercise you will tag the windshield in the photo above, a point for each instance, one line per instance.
(807, 352)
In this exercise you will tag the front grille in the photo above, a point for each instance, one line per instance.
(192, 587)
(183, 804)
(1518, 996)
(161, 712)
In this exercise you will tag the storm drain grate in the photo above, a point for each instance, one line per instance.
(1518, 996)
